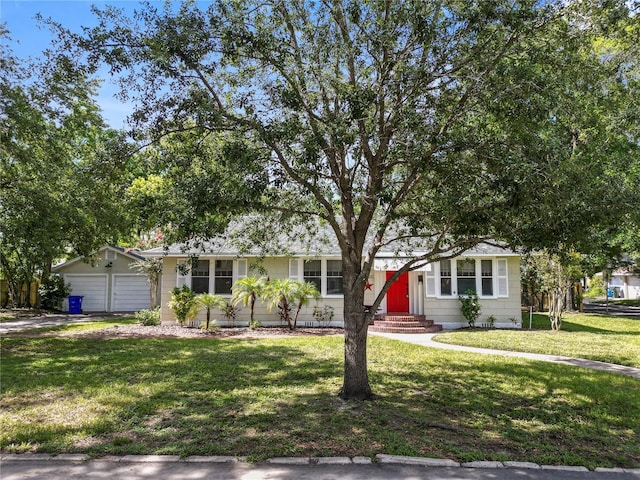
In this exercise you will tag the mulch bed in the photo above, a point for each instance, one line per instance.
(176, 331)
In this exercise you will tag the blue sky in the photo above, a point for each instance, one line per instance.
(30, 39)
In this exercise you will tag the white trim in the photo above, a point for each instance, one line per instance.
(432, 284)
(296, 272)
(242, 268)
(502, 275)
(135, 256)
(294, 268)
(180, 278)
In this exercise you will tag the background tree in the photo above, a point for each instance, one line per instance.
(556, 275)
(436, 125)
(60, 168)
(152, 269)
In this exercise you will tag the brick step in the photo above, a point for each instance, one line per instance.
(393, 323)
(399, 317)
(379, 327)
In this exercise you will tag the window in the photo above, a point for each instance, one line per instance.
(334, 277)
(486, 276)
(326, 275)
(466, 276)
(313, 273)
(486, 272)
(445, 277)
(223, 280)
(200, 277)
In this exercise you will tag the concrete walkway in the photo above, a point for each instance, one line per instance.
(426, 340)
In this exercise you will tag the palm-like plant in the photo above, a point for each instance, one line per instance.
(246, 291)
(305, 291)
(209, 301)
(280, 294)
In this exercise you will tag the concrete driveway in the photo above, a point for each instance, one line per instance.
(55, 319)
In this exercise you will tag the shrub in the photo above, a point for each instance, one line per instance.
(323, 315)
(596, 287)
(53, 291)
(183, 304)
(148, 317)
(470, 306)
(230, 312)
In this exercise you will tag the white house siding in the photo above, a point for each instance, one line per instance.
(446, 312)
(633, 287)
(443, 311)
(276, 268)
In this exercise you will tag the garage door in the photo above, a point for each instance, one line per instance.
(130, 293)
(93, 288)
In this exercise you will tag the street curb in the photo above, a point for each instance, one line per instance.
(381, 458)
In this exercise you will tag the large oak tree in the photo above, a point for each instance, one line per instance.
(433, 123)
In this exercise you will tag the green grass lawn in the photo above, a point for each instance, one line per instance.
(277, 397)
(612, 339)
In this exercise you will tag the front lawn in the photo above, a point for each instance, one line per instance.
(612, 339)
(277, 397)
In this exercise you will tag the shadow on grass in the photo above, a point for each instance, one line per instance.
(541, 323)
(278, 397)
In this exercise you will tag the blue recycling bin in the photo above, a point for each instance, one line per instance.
(75, 303)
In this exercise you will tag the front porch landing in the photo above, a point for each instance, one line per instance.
(403, 323)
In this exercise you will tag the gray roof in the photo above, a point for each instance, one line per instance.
(242, 239)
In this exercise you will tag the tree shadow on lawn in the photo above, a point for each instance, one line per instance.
(274, 398)
(541, 323)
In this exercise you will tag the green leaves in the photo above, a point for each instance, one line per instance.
(61, 175)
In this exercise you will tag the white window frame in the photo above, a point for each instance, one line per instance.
(296, 272)
(239, 271)
(499, 276)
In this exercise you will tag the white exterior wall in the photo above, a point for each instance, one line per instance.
(629, 284)
(276, 268)
(633, 287)
(443, 311)
(446, 312)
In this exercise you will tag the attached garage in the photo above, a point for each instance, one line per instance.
(107, 282)
(92, 287)
(130, 293)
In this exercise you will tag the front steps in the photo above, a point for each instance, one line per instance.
(403, 323)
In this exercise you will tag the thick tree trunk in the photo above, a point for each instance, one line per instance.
(356, 378)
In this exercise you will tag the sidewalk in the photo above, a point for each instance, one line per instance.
(131, 467)
(426, 340)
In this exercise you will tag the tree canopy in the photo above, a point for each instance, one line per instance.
(60, 167)
(439, 124)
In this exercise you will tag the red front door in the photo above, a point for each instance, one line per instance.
(398, 294)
